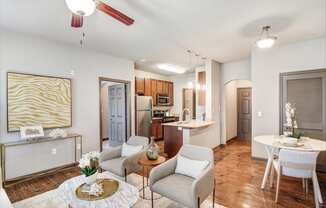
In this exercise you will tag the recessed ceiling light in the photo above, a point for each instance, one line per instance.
(266, 40)
(171, 68)
(142, 60)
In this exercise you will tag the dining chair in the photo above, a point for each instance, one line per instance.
(298, 164)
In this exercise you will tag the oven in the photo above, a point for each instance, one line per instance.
(163, 99)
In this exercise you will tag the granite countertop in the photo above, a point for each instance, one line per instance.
(192, 124)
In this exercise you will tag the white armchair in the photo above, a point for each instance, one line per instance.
(186, 190)
(297, 164)
(112, 161)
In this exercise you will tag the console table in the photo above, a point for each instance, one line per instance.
(29, 158)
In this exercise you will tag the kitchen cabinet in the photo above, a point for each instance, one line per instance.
(201, 92)
(170, 92)
(165, 88)
(148, 86)
(153, 87)
(159, 87)
(157, 128)
(140, 86)
(154, 90)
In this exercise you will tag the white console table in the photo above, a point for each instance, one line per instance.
(27, 158)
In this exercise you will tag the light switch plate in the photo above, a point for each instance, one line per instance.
(54, 151)
(260, 114)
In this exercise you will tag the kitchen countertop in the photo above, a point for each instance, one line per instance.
(192, 124)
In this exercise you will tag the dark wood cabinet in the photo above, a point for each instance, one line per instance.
(159, 87)
(154, 90)
(148, 87)
(140, 86)
(157, 128)
(165, 88)
(170, 92)
(173, 140)
(153, 87)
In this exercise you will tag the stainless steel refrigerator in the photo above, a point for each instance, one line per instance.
(143, 116)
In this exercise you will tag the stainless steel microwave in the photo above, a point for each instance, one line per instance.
(163, 99)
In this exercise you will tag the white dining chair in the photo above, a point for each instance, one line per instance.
(298, 164)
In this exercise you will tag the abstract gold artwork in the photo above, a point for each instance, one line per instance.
(38, 100)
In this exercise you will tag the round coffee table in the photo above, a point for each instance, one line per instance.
(126, 196)
(147, 165)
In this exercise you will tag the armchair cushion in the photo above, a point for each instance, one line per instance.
(114, 166)
(128, 150)
(189, 167)
(176, 187)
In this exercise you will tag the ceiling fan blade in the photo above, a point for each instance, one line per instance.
(76, 20)
(114, 13)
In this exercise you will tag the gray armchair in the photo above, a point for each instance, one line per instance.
(186, 190)
(111, 160)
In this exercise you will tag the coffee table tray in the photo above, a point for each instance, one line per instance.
(110, 186)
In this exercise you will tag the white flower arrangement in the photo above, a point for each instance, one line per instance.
(88, 164)
(291, 124)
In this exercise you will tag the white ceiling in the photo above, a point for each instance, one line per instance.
(224, 30)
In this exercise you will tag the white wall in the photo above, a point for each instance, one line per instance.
(22, 53)
(180, 82)
(237, 70)
(151, 75)
(266, 65)
(231, 108)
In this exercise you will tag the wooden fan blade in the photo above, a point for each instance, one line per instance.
(76, 20)
(114, 13)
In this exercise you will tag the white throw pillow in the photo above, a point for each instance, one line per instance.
(189, 167)
(128, 150)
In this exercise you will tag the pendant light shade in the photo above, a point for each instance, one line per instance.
(266, 40)
(81, 7)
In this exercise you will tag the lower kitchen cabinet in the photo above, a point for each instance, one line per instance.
(157, 129)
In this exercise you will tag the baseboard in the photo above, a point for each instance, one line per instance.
(230, 140)
(258, 158)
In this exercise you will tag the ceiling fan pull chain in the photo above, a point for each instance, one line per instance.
(81, 42)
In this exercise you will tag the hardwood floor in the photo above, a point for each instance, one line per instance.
(238, 179)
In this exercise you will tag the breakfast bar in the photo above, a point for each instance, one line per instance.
(195, 132)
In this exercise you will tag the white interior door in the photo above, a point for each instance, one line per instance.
(117, 114)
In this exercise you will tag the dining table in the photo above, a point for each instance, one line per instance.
(273, 143)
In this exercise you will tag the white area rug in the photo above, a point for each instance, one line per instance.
(51, 199)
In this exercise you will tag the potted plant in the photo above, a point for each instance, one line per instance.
(88, 165)
(291, 125)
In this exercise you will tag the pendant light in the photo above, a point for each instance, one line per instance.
(266, 40)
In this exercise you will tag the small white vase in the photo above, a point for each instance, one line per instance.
(91, 179)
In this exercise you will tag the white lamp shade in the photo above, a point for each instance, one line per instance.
(266, 42)
(81, 7)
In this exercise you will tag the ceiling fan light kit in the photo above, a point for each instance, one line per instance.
(266, 40)
(81, 8)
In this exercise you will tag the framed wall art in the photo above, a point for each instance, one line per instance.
(37, 100)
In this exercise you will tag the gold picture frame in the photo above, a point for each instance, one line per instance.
(34, 100)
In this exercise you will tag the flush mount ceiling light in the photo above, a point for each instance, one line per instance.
(266, 40)
(81, 7)
(171, 68)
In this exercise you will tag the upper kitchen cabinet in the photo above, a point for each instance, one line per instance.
(153, 87)
(148, 87)
(159, 87)
(201, 91)
(154, 90)
(165, 88)
(170, 92)
(140, 86)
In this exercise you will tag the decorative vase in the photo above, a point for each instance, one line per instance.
(91, 179)
(153, 150)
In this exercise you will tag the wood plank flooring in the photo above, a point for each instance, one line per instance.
(238, 180)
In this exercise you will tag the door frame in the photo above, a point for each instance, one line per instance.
(238, 111)
(128, 100)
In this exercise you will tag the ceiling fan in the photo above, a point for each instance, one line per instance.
(81, 8)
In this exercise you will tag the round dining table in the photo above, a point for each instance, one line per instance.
(273, 143)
